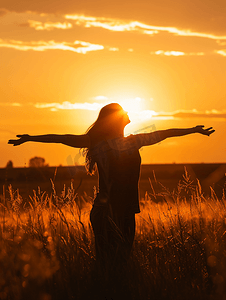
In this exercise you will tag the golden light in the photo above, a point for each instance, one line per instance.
(132, 106)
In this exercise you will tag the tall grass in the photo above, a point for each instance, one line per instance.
(47, 247)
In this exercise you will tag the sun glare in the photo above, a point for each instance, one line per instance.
(132, 106)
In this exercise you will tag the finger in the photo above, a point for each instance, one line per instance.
(209, 128)
(19, 135)
(212, 131)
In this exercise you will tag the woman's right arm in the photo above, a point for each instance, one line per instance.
(76, 141)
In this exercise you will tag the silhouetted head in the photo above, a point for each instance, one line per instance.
(113, 112)
(110, 124)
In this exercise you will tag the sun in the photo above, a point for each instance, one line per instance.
(133, 106)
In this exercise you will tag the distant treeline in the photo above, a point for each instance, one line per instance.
(152, 176)
(160, 171)
(42, 173)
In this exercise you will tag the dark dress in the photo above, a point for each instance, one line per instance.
(117, 201)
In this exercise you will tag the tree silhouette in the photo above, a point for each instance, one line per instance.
(37, 162)
(9, 165)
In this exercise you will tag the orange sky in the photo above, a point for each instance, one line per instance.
(61, 61)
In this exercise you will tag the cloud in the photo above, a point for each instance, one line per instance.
(182, 114)
(119, 25)
(11, 104)
(136, 117)
(48, 22)
(68, 105)
(175, 53)
(100, 98)
(183, 14)
(113, 49)
(221, 52)
(109, 24)
(179, 114)
(146, 114)
(221, 43)
(77, 46)
(140, 115)
(169, 53)
(48, 25)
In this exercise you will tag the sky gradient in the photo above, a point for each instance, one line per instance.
(164, 62)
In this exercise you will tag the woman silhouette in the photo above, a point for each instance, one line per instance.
(118, 161)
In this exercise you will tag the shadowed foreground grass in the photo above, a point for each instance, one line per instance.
(47, 248)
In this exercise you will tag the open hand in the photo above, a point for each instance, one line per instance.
(208, 131)
(22, 139)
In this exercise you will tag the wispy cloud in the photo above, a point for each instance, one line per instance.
(105, 23)
(145, 115)
(100, 98)
(175, 53)
(113, 49)
(120, 25)
(48, 25)
(141, 115)
(77, 46)
(68, 105)
(182, 114)
(221, 52)
(46, 22)
(11, 104)
(221, 43)
(169, 53)
(179, 115)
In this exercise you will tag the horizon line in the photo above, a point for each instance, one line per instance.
(173, 163)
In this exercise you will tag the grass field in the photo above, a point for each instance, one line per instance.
(47, 247)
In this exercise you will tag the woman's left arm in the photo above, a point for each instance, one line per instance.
(184, 131)
(152, 138)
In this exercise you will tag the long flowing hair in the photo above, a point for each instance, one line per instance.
(108, 122)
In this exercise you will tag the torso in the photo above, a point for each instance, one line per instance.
(118, 162)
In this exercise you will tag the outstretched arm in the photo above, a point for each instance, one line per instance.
(184, 131)
(151, 138)
(77, 141)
